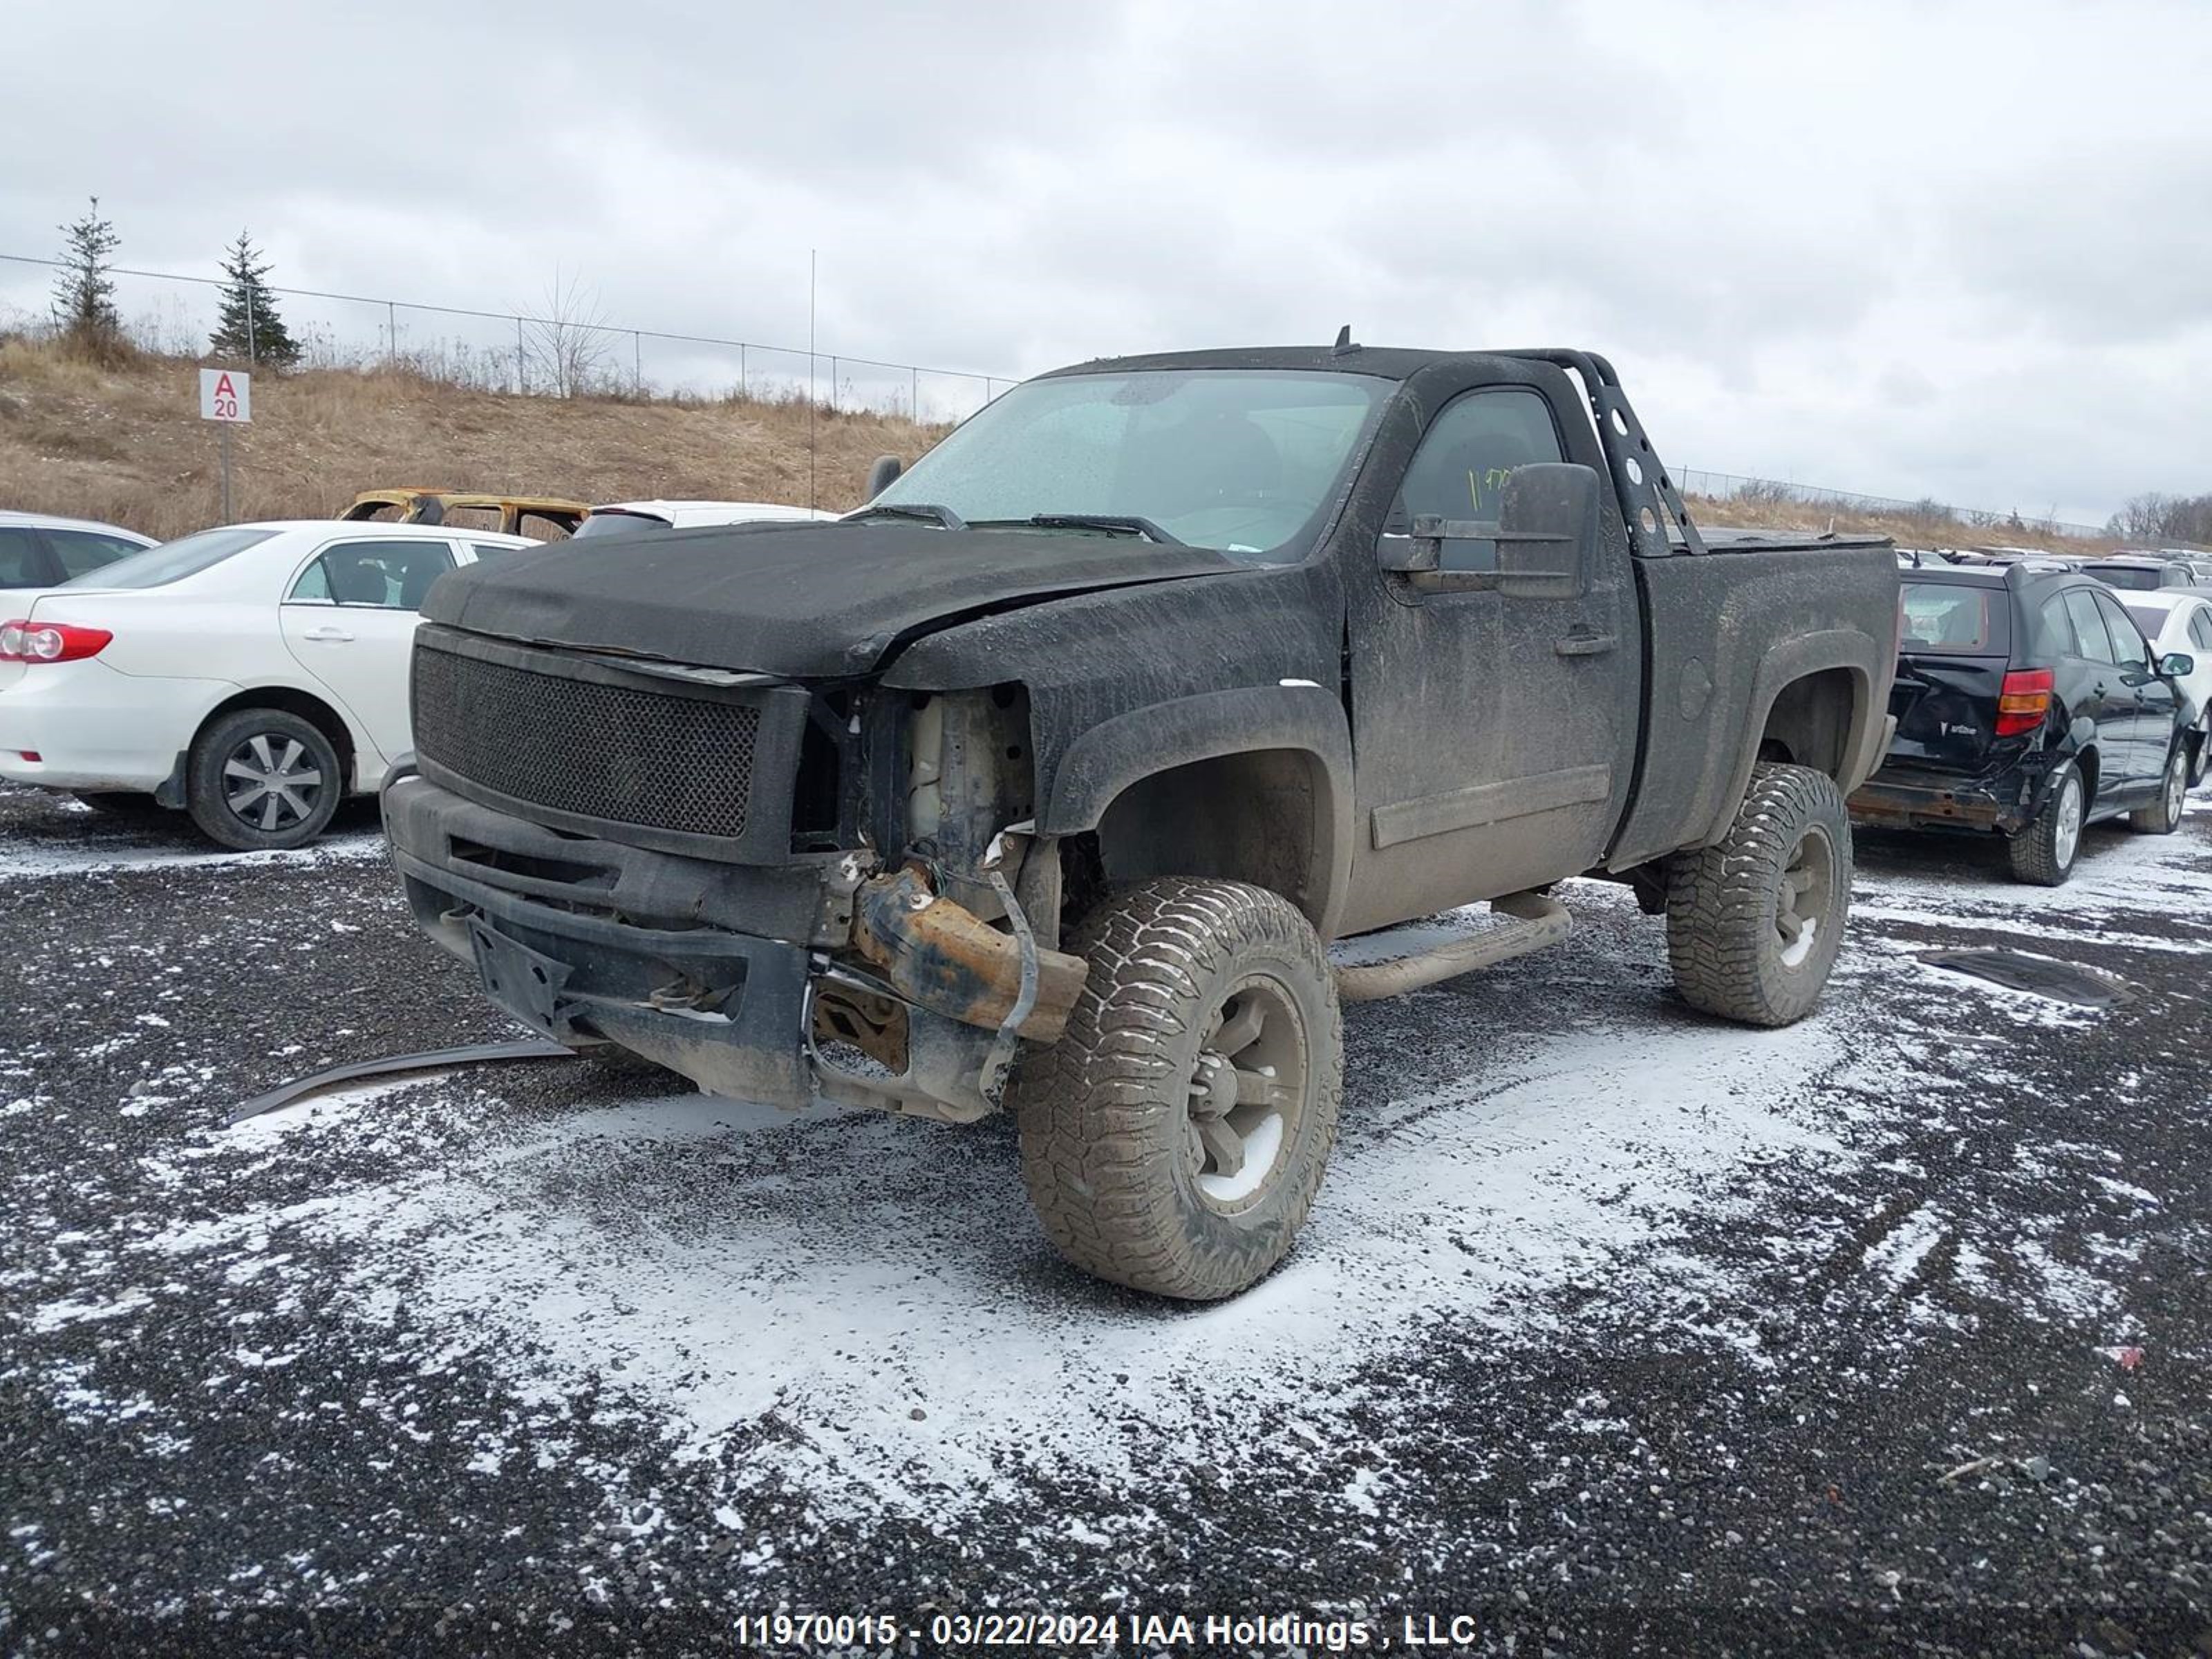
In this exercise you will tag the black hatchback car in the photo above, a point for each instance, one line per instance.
(2026, 704)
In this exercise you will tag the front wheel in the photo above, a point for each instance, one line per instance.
(262, 779)
(1174, 1138)
(2163, 816)
(1754, 923)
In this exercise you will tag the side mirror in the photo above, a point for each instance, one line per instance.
(883, 474)
(1547, 530)
(1416, 554)
(1540, 546)
(2177, 665)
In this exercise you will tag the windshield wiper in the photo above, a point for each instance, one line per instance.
(928, 512)
(1127, 523)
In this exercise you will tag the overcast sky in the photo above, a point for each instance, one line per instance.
(1963, 251)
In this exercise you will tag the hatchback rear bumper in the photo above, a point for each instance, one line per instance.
(1901, 797)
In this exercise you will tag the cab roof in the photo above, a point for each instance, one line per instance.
(1382, 362)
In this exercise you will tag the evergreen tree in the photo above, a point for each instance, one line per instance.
(251, 328)
(84, 294)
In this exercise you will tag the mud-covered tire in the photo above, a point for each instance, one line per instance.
(1728, 906)
(1110, 1141)
(268, 737)
(2164, 815)
(2043, 855)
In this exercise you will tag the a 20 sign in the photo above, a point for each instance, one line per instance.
(226, 394)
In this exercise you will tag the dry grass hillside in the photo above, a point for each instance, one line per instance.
(1906, 530)
(124, 442)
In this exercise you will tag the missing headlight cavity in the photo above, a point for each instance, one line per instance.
(2041, 977)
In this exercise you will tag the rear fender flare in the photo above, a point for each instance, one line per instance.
(1105, 761)
(1790, 661)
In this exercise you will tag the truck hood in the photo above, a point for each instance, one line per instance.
(800, 600)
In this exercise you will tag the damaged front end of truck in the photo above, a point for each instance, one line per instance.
(782, 890)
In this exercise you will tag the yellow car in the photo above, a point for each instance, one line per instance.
(547, 518)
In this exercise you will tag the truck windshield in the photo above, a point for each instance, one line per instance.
(1242, 461)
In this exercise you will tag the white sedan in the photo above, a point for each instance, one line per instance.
(2180, 619)
(254, 674)
(39, 551)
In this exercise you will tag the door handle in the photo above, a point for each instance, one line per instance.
(336, 636)
(1583, 642)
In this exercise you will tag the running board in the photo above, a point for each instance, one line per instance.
(1539, 921)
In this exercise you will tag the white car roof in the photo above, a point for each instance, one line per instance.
(378, 529)
(680, 513)
(54, 521)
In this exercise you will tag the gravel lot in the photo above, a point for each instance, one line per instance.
(1613, 1322)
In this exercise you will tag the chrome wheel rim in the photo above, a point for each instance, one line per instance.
(2066, 831)
(1247, 1093)
(1802, 901)
(2177, 788)
(270, 782)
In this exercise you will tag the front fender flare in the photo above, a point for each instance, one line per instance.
(1102, 762)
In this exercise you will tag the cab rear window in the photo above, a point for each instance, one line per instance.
(1943, 617)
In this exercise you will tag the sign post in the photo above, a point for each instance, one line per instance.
(225, 398)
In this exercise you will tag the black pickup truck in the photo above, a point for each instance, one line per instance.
(1046, 779)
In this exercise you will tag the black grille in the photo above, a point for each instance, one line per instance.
(579, 746)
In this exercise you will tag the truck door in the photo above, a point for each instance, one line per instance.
(1495, 734)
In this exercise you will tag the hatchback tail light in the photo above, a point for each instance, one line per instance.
(23, 641)
(2023, 701)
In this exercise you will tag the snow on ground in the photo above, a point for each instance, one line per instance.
(717, 1252)
(861, 1309)
(874, 1285)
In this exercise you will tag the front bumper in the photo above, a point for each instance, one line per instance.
(714, 969)
(1912, 798)
(588, 939)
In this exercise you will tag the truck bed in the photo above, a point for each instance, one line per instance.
(1720, 634)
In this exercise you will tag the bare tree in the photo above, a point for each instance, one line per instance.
(2142, 518)
(566, 350)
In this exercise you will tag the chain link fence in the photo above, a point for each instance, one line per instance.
(1752, 495)
(565, 354)
(516, 352)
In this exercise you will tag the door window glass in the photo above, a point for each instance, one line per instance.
(2128, 647)
(82, 551)
(2059, 639)
(388, 576)
(490, 552)
(20, 564)
(2089, 626)
(1461, 468)
(2200, 629)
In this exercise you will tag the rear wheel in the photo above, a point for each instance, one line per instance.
(2045, 852)
(1174, 1139)
(2163, 816)
(1754, 924)
(262, 779)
